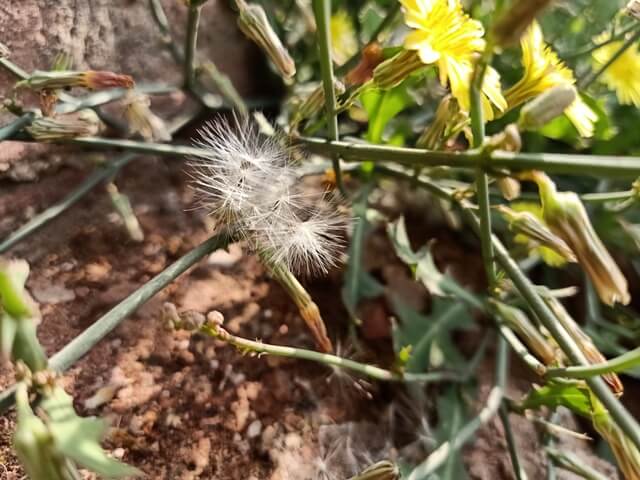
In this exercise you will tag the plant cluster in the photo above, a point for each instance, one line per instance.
(481, 104)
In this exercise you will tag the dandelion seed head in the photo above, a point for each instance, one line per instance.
(249, 181)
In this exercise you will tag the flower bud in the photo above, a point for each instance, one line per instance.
(254, 24)
(143, 121)
(518, 321)
(394, 70)
(314, 103)
(584, 342)
(566, 216)
(509, 187)
(514, 22)
(383, 470)
(4, 51)
(528, 224)
(448, 121)
(91, 79)
(633, 9)
(372, 56)
(625, 451)
(84, 123)
(547, 106)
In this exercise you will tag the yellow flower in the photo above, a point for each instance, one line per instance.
(343, 37)
(445, 36)
(544, 70)
(623, 75)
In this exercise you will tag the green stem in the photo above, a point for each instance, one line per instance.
(572, 463)
(587, 80)
(226, 88)
(165, 30)
(137, 147)
(15, 126)
(322, 12)
(502, 368)
(522, 351)
(13, 68)
(552, 163)
(80, 345)
(193, 20)
(618, 364)
(98, 176)
(260, 348)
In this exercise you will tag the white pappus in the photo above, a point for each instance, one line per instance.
(250, 182)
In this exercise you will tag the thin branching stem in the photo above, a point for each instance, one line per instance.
(165, 30)
(437, 458)
(552, 163)
(13, 68)
(97, 177)
(618, 364)
(522, 351)
(15, 126)
(84, 342)
(587, 80)
(482, 179)
(322, 12)
(260, 348)
(96, 99)
(502, 368)
(595, 46)
(193, 21)
(595, 165)
(572, 463)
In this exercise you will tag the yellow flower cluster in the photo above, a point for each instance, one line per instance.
(445, 36)
(543, 70)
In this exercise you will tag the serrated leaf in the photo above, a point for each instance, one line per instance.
(358, 284)
(575, 396)
(424, 268)
(451, 418)
(79, 438)
(420, 331)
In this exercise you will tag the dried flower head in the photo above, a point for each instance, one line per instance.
(254, 23)
(566, 216)
(142, 120)
(83, 123)
(250, 182)
(91, 79)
